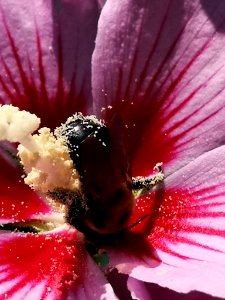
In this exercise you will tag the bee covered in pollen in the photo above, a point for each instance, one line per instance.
(86, 169)
(99, 153)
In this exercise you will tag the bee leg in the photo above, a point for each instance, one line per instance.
(145, 184)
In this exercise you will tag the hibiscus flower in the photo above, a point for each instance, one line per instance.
(159, 65)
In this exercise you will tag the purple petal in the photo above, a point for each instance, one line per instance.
(138, 289)
(94, 285)
(101, 3)
(44, 58)
(188, 233)
(160, 64)
(158, 292)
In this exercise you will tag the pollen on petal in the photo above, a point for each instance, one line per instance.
(51, 262)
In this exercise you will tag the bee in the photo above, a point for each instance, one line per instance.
(99, 154)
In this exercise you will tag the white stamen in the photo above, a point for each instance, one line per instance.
(17, 126)
(45, 158)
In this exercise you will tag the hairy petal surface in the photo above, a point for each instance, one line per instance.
(187, 229)
(162, 69)
(51, 265)
(45, 61)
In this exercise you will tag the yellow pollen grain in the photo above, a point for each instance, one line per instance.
(49, 166)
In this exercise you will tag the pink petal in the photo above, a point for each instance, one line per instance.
(51, 265)
(44, 59)
(94, 285)
(158, 292)
(188, 232)
(138, 289)
(40, 263)
(163, 70)
(17, 201)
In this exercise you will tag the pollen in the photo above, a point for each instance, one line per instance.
(16, 125)
(49, 166)
(67, 129)
(45, 157)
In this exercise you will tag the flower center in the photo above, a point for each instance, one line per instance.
(46, 161)
(82, 170)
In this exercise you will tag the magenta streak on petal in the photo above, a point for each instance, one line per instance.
(180, 76)
(66, 100)
(165, 248)
(157, 106)
(193, 127)
(190, 242)
(55, 259)
(63, 100)
(182, 121)
(192, 94)
(148, 60)
(204, 190)
(157, 135)
(159, 69)
(43, 93)
(157, 129)
(176, 215)
(180, 106)
(32, 93)
(12, 97)
(60, 87)
(14, 51)
(167, 56)
(179, 145)
(187, 99)
(188, 48)
(31, 79)
(176, 82)
(19, 99)
(25, 81)
(146, 67)
(147, 63)
(198, 109)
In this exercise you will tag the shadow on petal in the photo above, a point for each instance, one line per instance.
(158, 292)
(119, 283)
(215, 11)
